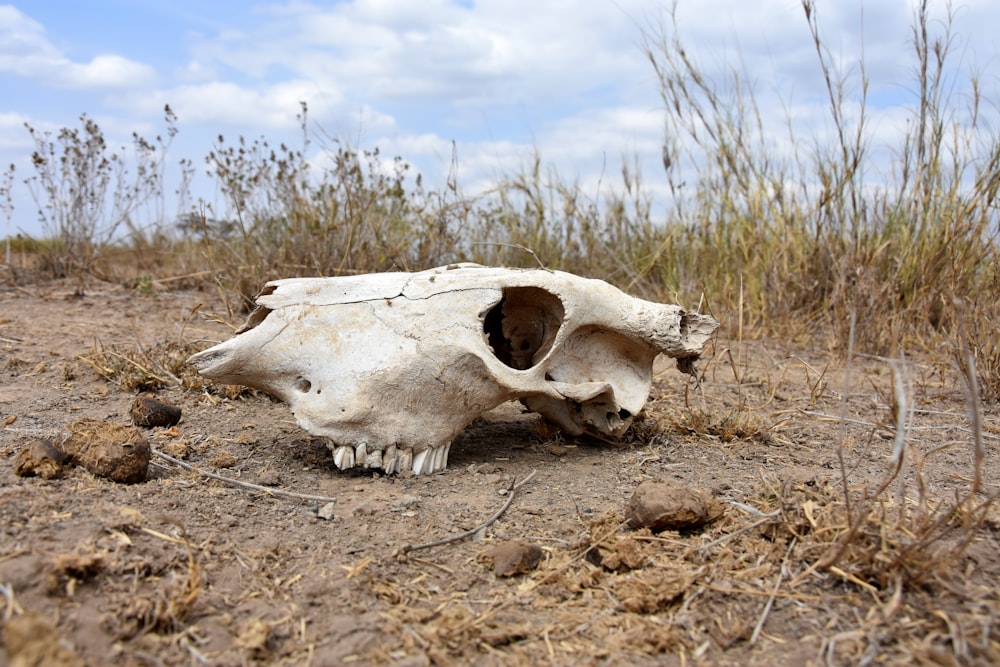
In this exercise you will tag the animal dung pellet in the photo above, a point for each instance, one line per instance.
(660, 505)
(114, 451)
(41, 458)
(149, 411)
(514, 557)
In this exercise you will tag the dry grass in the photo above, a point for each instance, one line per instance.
(170, 588)
(851, 569)
(138, 369)
(622, 596)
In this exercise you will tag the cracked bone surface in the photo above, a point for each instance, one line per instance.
(392, 366)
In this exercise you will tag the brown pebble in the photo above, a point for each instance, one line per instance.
(114, 451)
(514, 557)
(661, 505)
(40, 457)
(149, 411)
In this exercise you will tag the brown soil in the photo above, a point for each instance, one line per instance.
(186, 570)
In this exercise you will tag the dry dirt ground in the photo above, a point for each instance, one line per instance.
(183, 569)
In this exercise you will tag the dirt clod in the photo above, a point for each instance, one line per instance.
(114, 451)
(40, 457)
(514, 557)
(659, 505)
(149, 411)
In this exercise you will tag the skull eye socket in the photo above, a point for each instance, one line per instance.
(522, 326)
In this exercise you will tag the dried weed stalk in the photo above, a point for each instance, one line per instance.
(137, 369)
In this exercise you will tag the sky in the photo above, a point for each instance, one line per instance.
(481, 84)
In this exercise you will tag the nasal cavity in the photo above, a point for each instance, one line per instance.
(522, 326)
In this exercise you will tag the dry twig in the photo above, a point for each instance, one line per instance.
(245, 485)
(774, 593)
(469, 533)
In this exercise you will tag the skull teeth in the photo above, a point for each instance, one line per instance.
(420, 460)
(431, 460)
(343, 457)
(392, 460)
(405, 460)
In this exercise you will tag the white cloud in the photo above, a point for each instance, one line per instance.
(438, 50)
(104, 71)
(26, 51)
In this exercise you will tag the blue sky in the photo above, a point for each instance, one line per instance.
(500, 78)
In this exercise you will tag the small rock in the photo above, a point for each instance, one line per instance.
(40, 457)
(514, 557)
(408, 501)
(659, 505)
(114, 451)
(148, 411)
(326, 512)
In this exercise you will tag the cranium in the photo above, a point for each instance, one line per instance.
(392, 366)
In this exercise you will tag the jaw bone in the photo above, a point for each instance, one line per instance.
(392, 460)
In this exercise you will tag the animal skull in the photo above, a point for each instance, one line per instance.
(392, 366)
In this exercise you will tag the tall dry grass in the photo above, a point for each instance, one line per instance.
(810, 238)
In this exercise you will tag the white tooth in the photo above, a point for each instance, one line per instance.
(343, 457)
(419, 460)
(361, 453)
(374, 459)
(438, 459)
(405, 460)
(390, 460)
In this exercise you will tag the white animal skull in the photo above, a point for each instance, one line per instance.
(392, 366)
